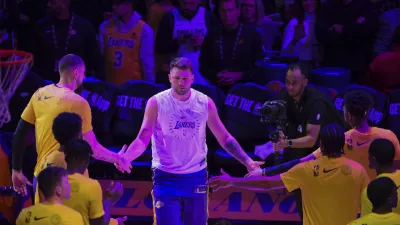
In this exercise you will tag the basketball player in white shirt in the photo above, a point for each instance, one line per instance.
(175, 120)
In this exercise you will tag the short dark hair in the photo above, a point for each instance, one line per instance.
(380, 190)
(66, 126)
(301, 67)
(332, 140)
(181, 63)
(70, 62)
(49, 179)
(77, 152)
(383, 151)
(358, 103)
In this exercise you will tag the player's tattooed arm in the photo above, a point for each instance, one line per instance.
(233, 148)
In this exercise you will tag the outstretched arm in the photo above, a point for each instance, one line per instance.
(250, 183)
(138, 146)
(225, 139)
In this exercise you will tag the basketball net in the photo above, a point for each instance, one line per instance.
(13, 67)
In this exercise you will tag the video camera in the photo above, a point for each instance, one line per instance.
(275, 112)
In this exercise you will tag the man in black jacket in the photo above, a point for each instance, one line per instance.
(229, 53)
(307, 111)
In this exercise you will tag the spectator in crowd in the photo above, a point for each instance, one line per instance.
(345, 30)
(127, 42)
(331, 184)
(381, 156)
(299, 36)
(252, 13)
(157, 11)
(383, 194)
(61, 33)
(384, 70)
(55, 187)
(229, 55)
(181, 34)
(388, 23)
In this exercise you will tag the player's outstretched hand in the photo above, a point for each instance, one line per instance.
(253, 165)
(121, 220)
(114, 191)
(255, 173)
(222, 181)
(19, 183)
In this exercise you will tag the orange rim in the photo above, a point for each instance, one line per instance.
(28, 57)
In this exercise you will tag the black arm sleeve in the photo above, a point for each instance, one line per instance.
(18, 144)
(165, 44)
(278, 169)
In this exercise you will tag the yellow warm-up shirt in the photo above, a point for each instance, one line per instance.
(45, 105)
(330, 189)
(378, 219)
(44, 214)
(86, 197)
(366, 205)
(57, 159)
(357, 145)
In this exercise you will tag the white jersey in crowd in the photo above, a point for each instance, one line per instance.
(195, 26)
(179, 138)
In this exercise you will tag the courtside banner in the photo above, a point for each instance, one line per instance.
(230, 203)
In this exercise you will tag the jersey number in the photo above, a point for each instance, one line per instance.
(118, 59)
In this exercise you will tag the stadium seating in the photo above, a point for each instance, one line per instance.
(242, 120)
(101, 97)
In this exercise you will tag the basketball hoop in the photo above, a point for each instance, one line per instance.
(13, 67)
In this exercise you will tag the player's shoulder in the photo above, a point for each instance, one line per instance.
(203, 98)
(352, 167)
(106, 24)
(383, 133)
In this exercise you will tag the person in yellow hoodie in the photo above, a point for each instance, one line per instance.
(383, 194)
(381, 153)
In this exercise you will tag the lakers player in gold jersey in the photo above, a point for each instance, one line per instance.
(66, 127)
(127, 43)
(381, 154)
(45, 104)
(383, 194)
(331, 185)
(53, 183)
(357, 104)
(86, 193)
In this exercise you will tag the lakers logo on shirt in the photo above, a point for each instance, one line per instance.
(346, 170)
(184, 126)
(75, 187)
(55, 219)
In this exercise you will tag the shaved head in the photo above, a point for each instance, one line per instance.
(72, 70)
(69, 63)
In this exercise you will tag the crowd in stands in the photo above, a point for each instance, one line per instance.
(236, 47)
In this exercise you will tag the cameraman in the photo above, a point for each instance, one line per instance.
(307, 110)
